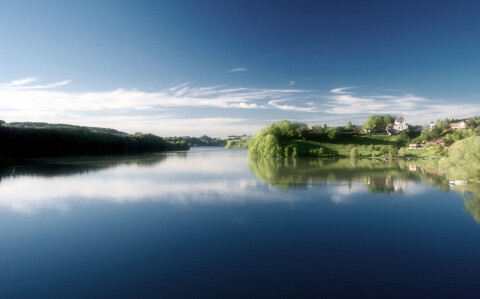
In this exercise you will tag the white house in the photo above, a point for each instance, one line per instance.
(432, 126)
(400, 124)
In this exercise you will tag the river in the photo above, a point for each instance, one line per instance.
(213, 223)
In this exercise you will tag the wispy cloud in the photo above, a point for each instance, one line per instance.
(119, 108)
(27, 97)
(21, 82)
(291, 83)
(341, 90)
(51, 85)
(215, 110)
(24, 84)
(239, 69)
(276, 104)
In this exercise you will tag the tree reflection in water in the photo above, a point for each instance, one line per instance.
(378, 176)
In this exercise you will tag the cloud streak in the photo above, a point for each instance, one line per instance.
(25, 98)
(21, 82)
(238, 69)
(24, 84)
(341, 90)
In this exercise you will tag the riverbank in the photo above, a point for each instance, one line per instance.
(58, 141)
(286, 139)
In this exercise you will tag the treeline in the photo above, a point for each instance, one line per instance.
(43, 125)
(74, 141)
(198, 141)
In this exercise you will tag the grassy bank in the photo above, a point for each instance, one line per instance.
(342, 146)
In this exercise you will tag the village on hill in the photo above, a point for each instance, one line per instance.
(391, 125)
(434, 137)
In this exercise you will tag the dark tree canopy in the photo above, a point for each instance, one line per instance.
(71, 141)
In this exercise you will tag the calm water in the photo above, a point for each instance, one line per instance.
(212, 223)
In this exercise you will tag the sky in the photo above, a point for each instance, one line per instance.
(220, 68)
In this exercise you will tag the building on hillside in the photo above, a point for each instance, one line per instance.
(432, 126)
(413, 145)
(400, 124)
(460, 125)
(437, 142)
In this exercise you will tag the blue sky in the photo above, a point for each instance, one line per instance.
(231, 67)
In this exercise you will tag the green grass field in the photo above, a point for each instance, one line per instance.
(344, 144)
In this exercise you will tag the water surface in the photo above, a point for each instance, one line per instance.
(213, 223)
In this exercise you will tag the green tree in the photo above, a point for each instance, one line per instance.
(318, 129)
(333, 133)
(402, 152)
(472, 123)
(387, 119)
(349, 126)
(272, 140)
(464, 159)
(444, 124)
(375, 122)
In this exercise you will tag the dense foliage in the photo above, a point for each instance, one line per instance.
(68, 141)
(375, 122)
(237, 143)
(274, 140)
(198, 141)
(293, 139)
(464, 159)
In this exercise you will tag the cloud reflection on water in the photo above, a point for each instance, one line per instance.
(195, 178)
